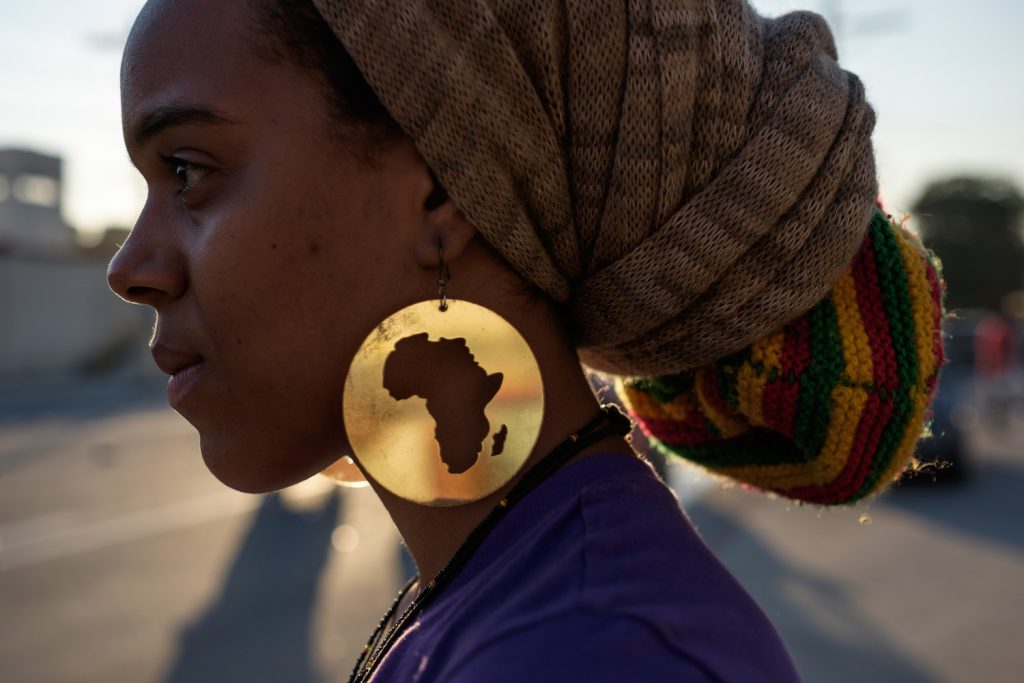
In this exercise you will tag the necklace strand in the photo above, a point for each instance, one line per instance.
(609, 422)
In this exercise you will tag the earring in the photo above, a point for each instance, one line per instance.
(443, 401)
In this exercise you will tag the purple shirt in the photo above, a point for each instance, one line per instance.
(595, 576)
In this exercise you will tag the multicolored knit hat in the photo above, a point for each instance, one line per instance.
(827, 410)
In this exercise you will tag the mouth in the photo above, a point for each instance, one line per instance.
(180, 385)
(184, 369)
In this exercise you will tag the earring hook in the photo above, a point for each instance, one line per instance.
(444, 275)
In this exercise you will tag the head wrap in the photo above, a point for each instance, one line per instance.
(684, 176)
(695, 184)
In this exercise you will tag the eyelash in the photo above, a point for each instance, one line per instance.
(180, 169)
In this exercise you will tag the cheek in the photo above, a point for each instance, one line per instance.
(311, 243)
(289, 287)
(303, 271)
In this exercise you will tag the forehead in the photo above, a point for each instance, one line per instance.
(193, 51)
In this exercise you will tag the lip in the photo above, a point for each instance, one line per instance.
(172, 361)
(184, 368)
(181, 383)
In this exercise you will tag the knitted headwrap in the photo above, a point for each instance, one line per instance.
(829, 408)
(684, 177)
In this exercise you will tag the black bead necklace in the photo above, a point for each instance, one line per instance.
(610, 422)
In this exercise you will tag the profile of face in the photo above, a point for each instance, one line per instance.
(267, 247)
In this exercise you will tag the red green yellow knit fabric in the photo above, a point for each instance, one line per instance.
(827, 410)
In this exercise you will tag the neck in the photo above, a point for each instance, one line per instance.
(433, 534)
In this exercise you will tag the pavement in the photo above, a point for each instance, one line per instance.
(123, 559)
(921, 585)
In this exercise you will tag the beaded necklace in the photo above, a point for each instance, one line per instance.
(610, 422)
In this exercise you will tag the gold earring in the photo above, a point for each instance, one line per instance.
(443, 276)
(344, 471)
(443, 401)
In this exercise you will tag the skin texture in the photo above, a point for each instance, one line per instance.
(269, 250)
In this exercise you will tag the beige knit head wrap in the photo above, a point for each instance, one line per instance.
(684, 176)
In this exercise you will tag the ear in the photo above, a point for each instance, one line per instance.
(443, 226)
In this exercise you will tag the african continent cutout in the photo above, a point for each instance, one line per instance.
(457, 392)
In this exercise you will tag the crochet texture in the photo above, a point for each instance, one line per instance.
(829, 408)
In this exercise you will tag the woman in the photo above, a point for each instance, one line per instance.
(677, 191)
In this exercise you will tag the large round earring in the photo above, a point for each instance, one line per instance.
(443, 401)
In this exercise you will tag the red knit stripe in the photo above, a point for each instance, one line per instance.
(877, 412)
(709, 387)
(780, 395)
(869, 433)
(872, 313)
(693, 430)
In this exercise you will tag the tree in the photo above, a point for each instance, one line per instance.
(973, 224)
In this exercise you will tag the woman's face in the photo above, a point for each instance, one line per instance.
(267, 250)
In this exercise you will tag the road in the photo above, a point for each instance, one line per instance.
(924, 584)
(122, 559)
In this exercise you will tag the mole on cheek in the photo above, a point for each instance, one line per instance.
(314, 248)
(273, 246)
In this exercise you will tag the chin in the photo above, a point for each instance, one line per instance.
(259, 468)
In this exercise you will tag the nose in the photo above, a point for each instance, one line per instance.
(149, 268)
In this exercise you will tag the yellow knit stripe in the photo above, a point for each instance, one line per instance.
(921, 303)
(627, 396)
(643, 404)
(728, 425)
(901, 458)
(768, 351)
(848, 404)
(766, 354)
(856, 347)
(750, 389)
(639, 402)
(922, 307)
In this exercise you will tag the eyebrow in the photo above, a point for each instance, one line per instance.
(167, 116)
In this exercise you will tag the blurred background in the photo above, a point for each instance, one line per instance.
(121, 558)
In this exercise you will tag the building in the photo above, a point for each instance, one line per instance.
(31, 221)
(57, 315)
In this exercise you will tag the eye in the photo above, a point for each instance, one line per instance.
(187, 174)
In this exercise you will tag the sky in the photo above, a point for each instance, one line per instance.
(945, 77)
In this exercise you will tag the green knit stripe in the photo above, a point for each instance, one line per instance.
(814, 402)
(667, 388)
(727, 374)
(892, 282)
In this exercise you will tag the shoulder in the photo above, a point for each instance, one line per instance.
(640, 554)
(605, 574)
(645, 565)
(581, 647)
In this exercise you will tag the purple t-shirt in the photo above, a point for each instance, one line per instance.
(595, 576)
